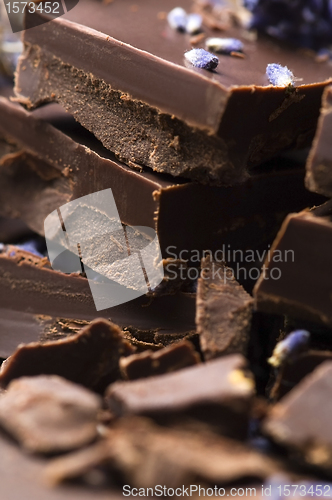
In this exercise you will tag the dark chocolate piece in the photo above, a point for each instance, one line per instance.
(48, 414)
(133, 91)
(319, 164)
(290, 374)
(301, 421)
(85, 357)
(29, 286)
(148, 455)
(297, 278)
(149, 363)
(218, 392)
(223, 311)
(52, 167)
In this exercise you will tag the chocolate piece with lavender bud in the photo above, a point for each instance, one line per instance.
(148, 116)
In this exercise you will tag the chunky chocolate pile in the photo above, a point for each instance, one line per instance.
(208, 121)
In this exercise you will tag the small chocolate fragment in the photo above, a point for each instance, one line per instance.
(223, 311)
(148, 455)
(319, 164)
(149, 363)
(292, 373)
(217, 392)
(297, 275)
(85, 358)
(131, 89)
(301, 421)
(48, 414)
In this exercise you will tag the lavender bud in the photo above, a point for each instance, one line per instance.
(279, 76)
(194, 24)
(224, 45)
(200, 58)
(177, 19)
(294, 343)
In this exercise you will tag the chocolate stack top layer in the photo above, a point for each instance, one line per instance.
(185, 121)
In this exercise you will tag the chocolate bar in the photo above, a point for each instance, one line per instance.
(295, 423)
(48, 414)
(148, 363)
(85, 358)
(218, 392)
(30, 290)
(296, 278)
(131, 89)
(319, 164)
(52, 165)
(223, 311)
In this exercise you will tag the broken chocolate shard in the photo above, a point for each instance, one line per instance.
(86, 357)
(297, 275)
(319, 164)
(217, 392)
(149, 118)
(168, 359)
(223, 311)
(301, 420)
(48, 414)
(147, 455)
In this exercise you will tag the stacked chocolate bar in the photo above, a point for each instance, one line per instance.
(165, 251)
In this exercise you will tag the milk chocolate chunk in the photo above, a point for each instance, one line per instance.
(217, 392)
(57, 161)
(292, 373)
(297, 278)
(148, 455)
(149, 363)
(132, 90)
(301, 420)
(48, 414)
(85, 357)
(30, 289)
(223, 311)
(319, 164)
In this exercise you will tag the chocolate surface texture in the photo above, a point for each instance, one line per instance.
(131, 91)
